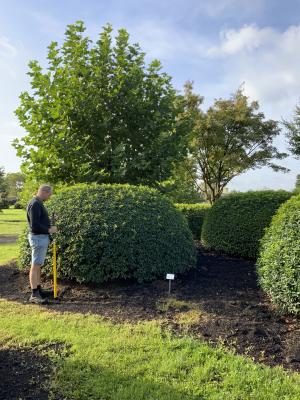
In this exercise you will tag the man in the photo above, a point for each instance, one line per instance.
(39, 230)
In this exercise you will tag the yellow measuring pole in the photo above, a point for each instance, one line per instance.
(54, 271)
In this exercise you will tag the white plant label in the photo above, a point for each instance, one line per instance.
(170, 276)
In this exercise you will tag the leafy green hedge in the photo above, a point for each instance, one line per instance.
(278, 265)
(117, 231)
(194, 214)
(236, 222)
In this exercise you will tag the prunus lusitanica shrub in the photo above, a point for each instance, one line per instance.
(278, 265)
(117, 231)
(236, 222)
(194, 214)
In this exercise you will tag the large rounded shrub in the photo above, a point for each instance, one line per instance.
(236, 222)
(278, 265)
(117, 231)
(194, 214)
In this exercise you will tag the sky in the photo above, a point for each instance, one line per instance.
(218, 44)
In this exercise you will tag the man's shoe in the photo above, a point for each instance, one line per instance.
(36, 298)
(45, 293)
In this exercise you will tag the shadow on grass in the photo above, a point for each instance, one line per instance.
(24, 374)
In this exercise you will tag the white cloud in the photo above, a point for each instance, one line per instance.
(7, 49)
(267, 61)
(247, 38)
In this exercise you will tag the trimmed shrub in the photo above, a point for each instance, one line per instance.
(117, 231)
(236, 222)
(278, 265)
(4, 203)
(194, 214)
(18, 205)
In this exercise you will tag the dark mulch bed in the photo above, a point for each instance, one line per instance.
(234, 310)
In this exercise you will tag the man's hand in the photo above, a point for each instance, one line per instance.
(53, 229)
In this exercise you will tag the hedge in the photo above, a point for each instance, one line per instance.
(194, 214)
(236, 222)
(278, 265)
(117, 231)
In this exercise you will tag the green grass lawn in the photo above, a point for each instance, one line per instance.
(8, 252)
(12, 223)
(141, 361)
(13, 214)
(133, 361)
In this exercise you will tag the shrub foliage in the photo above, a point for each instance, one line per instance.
(194, 214)
(117, 231)
(279, 259)
(236, 222)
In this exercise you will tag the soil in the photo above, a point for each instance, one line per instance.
(219, 302)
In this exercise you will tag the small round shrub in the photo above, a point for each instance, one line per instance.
(117, 231)
(236, 222)
(18, 205)
(4, 204)
(194, 214)
(278, 265)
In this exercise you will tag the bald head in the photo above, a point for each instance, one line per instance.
(44, 192)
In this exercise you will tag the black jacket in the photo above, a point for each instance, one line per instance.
(37, 217)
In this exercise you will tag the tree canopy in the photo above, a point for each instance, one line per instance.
(98, 113)
(230, 138)
(293, 133)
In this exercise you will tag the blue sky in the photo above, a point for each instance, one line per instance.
(218, 44)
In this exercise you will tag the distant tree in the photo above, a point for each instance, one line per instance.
(230, 138)
(14, 183)
(181, 186)
(293, 133)
(3, 190)
(297, 184)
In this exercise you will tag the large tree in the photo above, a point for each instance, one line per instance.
(293, 133)
(181, 187)
(3, 190)
(98, 113)
(297, 184)
(230, 138)
(14, 183)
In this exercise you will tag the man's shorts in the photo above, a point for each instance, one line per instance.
(39, 246)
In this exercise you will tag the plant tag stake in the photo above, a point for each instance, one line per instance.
(170, 277)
